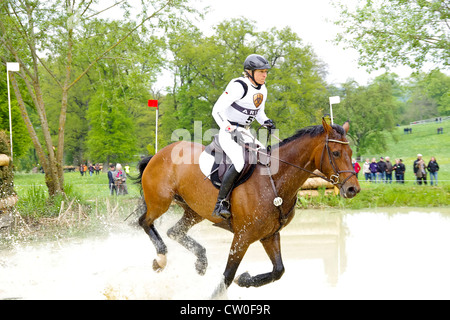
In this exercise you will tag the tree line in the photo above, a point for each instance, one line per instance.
(81, 94)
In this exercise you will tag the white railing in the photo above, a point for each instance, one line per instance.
(435, 119)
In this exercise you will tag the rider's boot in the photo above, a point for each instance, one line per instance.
(222, 208)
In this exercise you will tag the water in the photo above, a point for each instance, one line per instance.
(382, 254)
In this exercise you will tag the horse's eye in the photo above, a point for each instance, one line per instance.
(336, 154)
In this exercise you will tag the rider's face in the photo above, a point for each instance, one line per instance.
(260, 76)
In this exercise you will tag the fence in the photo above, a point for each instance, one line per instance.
(435, 120)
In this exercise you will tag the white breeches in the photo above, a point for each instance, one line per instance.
(233, 150)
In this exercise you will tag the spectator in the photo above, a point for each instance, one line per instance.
(120, 178)
(381, 170)
(91, 169)
(366, 169)
(97, 168)
(373, 170)
(433, 168)
(419, 170)
(389, 169)
(399, 168)
(356, 167)
(112, 185)
(81, 169)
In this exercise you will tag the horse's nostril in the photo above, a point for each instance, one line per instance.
(351, 192)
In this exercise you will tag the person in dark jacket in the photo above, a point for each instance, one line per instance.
(433, 169)
(399, 168)
(389, 169)
(112, 185)
(373, 170)
(381, 170)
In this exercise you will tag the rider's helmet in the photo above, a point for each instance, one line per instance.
(256, 62)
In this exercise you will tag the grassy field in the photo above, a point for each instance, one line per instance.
(424, 140)
(88, 196)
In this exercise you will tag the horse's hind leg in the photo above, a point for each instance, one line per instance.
(179, 233)
(146, 222)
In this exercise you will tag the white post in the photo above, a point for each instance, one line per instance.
(10, 66)
(333, 100)
(156, 130)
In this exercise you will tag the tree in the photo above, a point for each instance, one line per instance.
(428, 96)
(371, 110)
(21, 140)
(203, 66)
(34, 33)
(397, 32)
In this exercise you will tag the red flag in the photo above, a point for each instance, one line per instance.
(153, 103)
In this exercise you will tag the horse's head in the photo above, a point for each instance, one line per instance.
(335, 160)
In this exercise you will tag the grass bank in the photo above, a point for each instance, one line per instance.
(87, 205)
(383, 195)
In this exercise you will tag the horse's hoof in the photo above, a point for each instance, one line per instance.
(159, 263)
(220, 293)
(244, 280)
(200, 266)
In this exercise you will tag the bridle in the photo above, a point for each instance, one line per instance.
(334, 178)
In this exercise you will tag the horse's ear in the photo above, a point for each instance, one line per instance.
(346, 126)
(326, 126)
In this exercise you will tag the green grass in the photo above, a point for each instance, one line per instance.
(424, 140)
(92, 191)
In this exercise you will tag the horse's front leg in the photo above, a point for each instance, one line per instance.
(238, 249)
(273, 250)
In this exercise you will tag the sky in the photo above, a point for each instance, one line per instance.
(313, 23)
(311, 20)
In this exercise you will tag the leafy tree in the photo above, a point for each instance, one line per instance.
(203, 66)
(428, 95)
(21, 140)
(371, 110)
(38, 33)
(112, 133)
(297, 90)
(397, 32)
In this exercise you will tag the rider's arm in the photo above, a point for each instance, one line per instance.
(233, 92)
(261, 117)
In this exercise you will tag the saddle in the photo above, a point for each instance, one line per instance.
(214, 162)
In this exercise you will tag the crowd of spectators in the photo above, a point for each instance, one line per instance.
(382, 171)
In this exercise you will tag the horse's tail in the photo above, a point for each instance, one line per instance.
(138, 180)
(141, 167)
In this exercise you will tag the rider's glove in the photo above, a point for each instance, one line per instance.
(270, 125)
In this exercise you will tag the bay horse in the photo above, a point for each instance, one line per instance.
(173, 174)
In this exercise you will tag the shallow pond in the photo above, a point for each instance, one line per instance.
(395, 253)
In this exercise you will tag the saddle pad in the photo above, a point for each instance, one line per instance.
(211, 170)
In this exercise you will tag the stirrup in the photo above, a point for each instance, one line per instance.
(222, 209)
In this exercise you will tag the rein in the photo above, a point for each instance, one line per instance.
(334, 179)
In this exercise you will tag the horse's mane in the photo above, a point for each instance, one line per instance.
(312, 131)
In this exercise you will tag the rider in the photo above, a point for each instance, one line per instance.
(242, 102)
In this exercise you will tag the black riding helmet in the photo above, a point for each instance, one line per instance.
(255, 62)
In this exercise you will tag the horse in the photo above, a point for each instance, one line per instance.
(173, 175)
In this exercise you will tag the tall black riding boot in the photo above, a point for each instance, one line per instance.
(222, 208)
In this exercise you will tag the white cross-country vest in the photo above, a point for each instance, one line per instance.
(241, 103)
